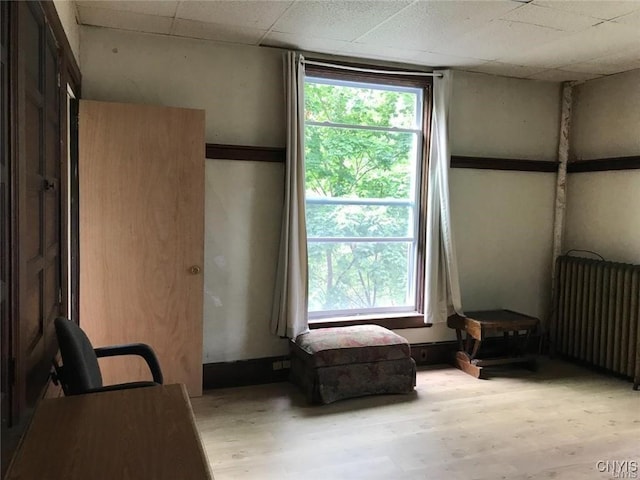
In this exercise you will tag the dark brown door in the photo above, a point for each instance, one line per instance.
(38, 201)
(5, 347)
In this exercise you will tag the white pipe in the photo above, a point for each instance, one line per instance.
(561, 180)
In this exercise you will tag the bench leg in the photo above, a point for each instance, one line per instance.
(464, 363)
(476, 349)
(459, 337)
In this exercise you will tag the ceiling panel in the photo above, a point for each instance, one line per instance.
(498, 38)
(243, 13)
(214, 31)
(557, 75)
(440, 60)
(506, 69)
(603, 9)
(630, 19)
(610, 64)
(164, 8)
(427, 26)
(304, 42)
(544, 39)
(363, 50)
(139, 22)
(583, 46)
(336, 19)
(550, 17)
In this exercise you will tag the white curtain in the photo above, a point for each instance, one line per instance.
(289, 318)
(442, 287)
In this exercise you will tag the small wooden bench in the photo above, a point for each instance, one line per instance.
(479, 325)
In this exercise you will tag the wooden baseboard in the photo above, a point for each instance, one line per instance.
(255, 371)
(259, 371)
(433, 353)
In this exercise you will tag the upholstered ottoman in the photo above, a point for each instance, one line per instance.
(331, 364)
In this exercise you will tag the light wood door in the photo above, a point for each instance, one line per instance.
(141, 172)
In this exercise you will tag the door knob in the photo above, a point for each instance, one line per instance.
(195, 270)
(49, 185)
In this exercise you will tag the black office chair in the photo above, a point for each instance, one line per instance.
(80, 372)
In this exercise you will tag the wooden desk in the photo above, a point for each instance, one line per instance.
(478, 325)
(143, 433)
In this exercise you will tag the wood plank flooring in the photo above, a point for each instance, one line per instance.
(555, 423)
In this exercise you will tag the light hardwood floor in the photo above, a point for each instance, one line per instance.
(556, 423)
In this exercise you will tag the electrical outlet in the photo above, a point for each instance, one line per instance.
(286, 364)
(277, 365)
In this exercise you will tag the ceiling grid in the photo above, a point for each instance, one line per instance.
(554, 40)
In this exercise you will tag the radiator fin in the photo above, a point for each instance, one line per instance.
(597, 314)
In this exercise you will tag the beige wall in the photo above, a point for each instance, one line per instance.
(603, 214)
(67, 12)
(606, 117)
(503, 219)
(504, 117)
(603, 208)
(503, 222)
(243, 202)
(240, 88)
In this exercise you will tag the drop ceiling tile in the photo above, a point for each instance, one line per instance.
(433, 59)
(630, 19)
(244, 13)
(557, 75)
(597, 68)
(162, 9)
(552, 18)
(605, 39)
(303, 42)
(217, 32)
(499, 38)
(364, 50)
(336, 19)
(505, 69)
(609, 64)
(602, 9)
(138, 22)
(427, 26)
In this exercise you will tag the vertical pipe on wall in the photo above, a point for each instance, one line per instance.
(561, 181)
(560, 203)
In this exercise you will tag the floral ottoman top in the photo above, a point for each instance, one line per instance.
(347, 345)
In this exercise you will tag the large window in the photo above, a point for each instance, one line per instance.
(364, 144)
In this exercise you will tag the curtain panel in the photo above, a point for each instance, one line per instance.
(289, 317)
(442, 286)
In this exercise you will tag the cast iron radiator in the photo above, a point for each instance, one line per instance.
(597, 314)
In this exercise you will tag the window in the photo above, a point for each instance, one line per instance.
(364, 145)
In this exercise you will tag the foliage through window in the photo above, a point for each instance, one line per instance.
(363, 154)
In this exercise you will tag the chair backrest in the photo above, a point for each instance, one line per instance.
(81, 371)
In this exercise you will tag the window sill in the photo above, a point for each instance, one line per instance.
(392, 321)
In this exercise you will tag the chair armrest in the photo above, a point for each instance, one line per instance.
(139, 349)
